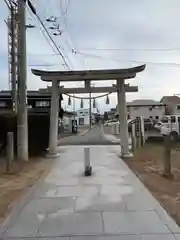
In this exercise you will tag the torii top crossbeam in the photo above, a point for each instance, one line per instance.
(82, 75)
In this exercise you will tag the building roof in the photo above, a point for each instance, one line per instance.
(170, 100)
(41, 93)
(67, 113)
(82, 110)
(103, 74)
(144, 102)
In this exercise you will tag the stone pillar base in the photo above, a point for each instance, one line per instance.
(52, 155)
(126, 155)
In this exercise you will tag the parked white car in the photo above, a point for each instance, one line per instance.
(111, 122)
(171, 126)
(158, 125)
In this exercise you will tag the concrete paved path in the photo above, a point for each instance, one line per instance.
(110, 205)
(93, 137)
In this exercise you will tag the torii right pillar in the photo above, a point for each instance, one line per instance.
(122, 110)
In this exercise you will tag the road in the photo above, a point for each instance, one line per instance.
(93, 137)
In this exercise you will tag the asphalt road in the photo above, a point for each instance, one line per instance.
(93, 137)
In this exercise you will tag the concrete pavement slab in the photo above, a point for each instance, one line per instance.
(2, 230)
(159, 237)
(128, 237)
(26, 225)
(72, 224)
(122, 237)
(37, 238)
(77, 191)
(47, 206)
(145, 222)
(98, 204)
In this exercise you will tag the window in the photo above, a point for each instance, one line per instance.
(173, 119)
(3, 104)
(42, 104)
(81, 121)
(178, 107)
(150, 109)
(157, 117)
(165, 120)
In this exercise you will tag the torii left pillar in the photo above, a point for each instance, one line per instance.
(54, 116)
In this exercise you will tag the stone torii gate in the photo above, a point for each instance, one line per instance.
(120, 75)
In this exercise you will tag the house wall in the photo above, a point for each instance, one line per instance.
(66, 120)
(83, 117)
(174, 109)
(156, 112)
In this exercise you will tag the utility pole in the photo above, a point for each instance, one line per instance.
(22, 128)
(90, 111)
(12, 54)
(74, 108)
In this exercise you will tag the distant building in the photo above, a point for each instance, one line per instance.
(39, 100)
(68, 115)
(112, 114)
(146, 108)
(172, 104)
(69, 119)
(83, 117)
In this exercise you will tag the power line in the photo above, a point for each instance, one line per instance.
(66, 8)
(42, 65)
(56, 26)
(124, 60)
(44, 27)
(117, 59)
(131, 49)
(127, 60)
(64, 14)
(54, 19)
(57, 48)
(8, 4)
(49, 43)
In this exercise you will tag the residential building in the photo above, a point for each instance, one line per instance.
(172, 105)
(147, 108)
(83, 117)
(69, 119)
(39, 101)
(112, 114)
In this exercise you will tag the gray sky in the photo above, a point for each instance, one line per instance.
(144, 32)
